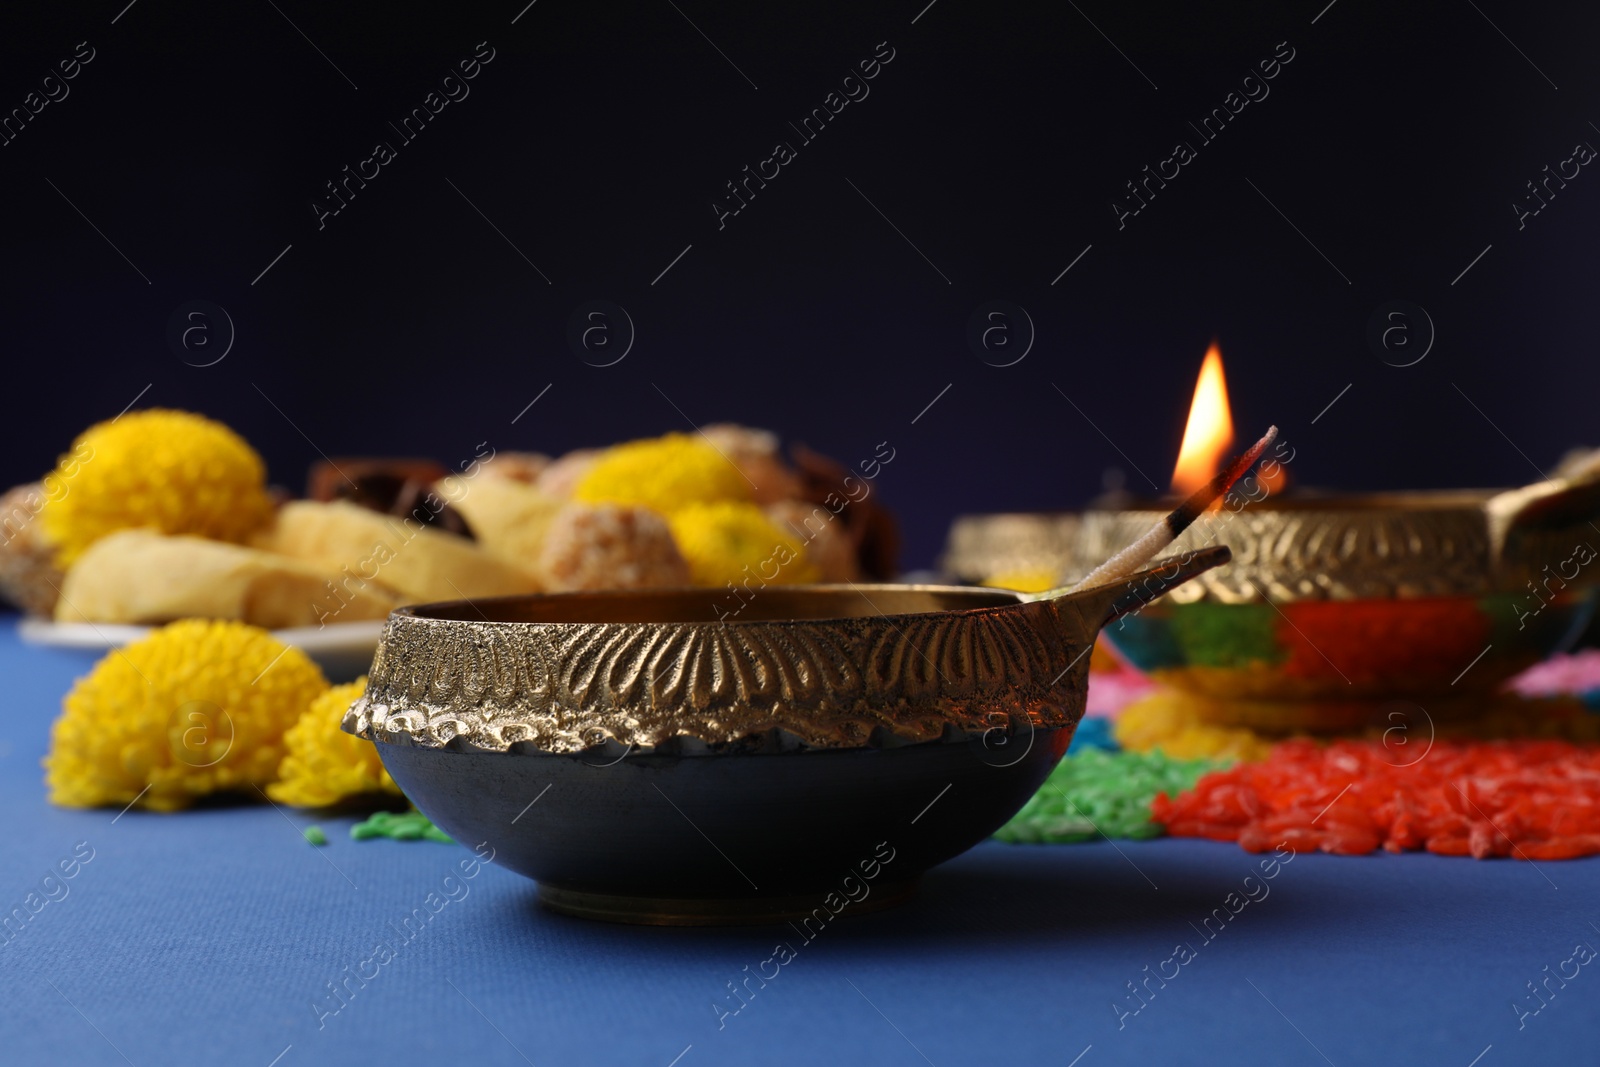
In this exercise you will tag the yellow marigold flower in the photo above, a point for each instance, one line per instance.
(662, 473)
(199, 706)
(326, 765)
(721, 540)
(170, 470)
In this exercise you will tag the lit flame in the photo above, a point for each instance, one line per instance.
(1209, 432)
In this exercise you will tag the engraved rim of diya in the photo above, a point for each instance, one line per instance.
(1334, 547)
(831, 666)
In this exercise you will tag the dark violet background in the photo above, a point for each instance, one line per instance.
(1397, 140)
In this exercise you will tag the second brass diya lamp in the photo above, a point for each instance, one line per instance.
(1337, 610)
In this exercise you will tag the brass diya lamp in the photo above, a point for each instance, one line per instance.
(647, 759)
(1335, 608)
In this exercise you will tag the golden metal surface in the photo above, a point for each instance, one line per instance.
(1407, 545)
(828, 664)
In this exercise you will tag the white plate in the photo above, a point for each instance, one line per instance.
(342, 649)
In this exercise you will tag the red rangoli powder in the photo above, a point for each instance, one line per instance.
(1535, 800)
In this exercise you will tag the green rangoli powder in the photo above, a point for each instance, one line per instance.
(1096, 793)
(399, 826)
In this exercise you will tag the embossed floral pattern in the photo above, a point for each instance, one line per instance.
(566, 687)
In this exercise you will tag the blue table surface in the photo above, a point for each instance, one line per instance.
(212, 937)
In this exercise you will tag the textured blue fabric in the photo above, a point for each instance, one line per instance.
(209, 937)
